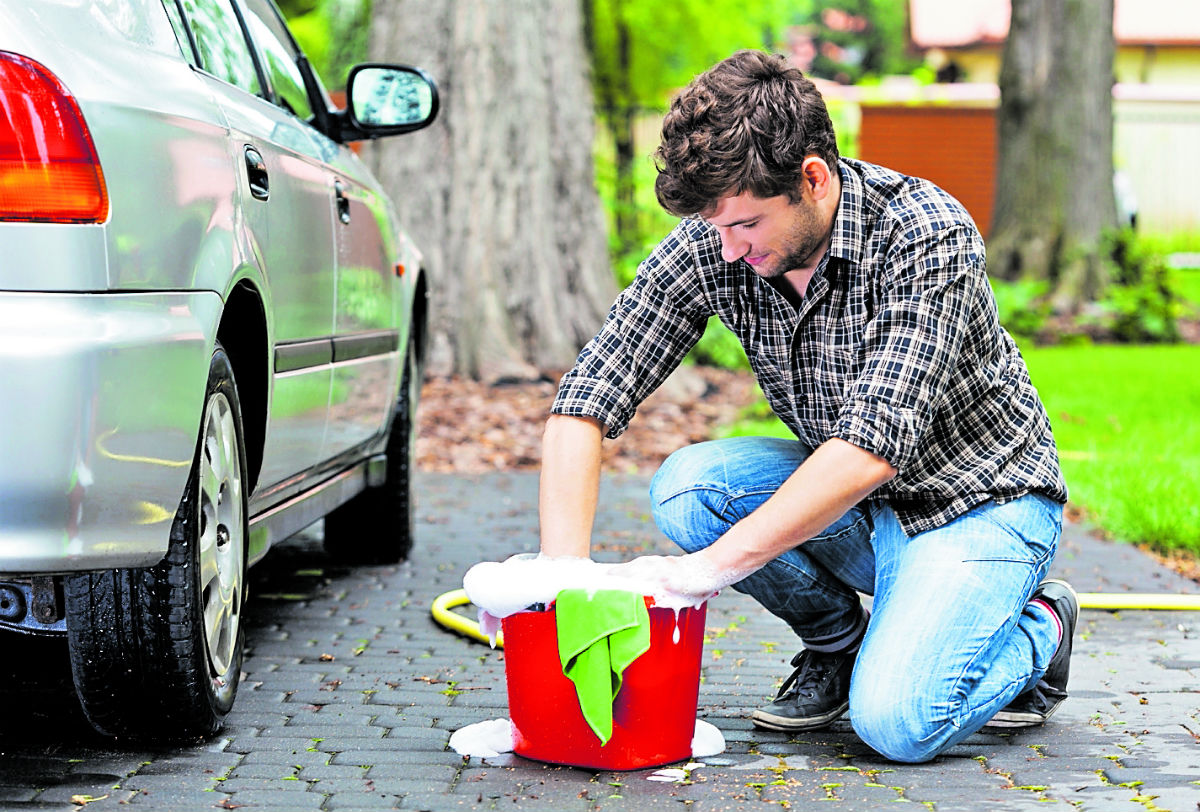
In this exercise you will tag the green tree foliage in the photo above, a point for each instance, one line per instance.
(333, 33)
(643, 50)
(855, 40)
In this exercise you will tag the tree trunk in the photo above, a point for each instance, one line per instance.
(622, 117)
(1054, 191)
(500, 192)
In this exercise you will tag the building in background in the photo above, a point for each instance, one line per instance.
(946, 132)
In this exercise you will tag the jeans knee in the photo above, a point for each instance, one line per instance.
(682, 469)
(893, 726)
(685, 508)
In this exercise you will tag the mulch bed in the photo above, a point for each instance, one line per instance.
(469, 427)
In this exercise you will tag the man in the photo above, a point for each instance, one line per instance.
(924, 471)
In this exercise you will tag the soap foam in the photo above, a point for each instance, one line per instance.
(504, 588)
(483, 739)
(494, 737)
(707, 740)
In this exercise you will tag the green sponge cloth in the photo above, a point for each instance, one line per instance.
(600, 632)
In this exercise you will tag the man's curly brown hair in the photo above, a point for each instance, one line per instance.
(746, 124)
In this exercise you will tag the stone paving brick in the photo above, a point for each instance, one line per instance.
(326, 772)
(383, 758)
(272, 771)
(301, 758)
(440, 802)
(157, 782)
(1176, 799)
(352, 801)
(17, 794)
(274, 799)
(287, 780)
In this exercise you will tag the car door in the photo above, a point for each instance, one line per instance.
(365, 368)
(366, 344)
(288, 211)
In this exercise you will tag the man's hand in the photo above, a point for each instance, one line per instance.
(689, 576)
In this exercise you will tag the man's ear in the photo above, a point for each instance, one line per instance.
(817, 176)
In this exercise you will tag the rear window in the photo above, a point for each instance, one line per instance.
(222, 47)
(275, 42)
(181, 33)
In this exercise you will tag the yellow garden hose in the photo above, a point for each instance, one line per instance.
(455, 622)
(464, 625)
(1137, 600)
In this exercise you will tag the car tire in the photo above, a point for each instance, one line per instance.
(157, 652)
(378, 525)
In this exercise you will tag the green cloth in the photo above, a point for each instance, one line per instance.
(600, 633)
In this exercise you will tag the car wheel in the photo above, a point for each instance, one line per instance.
(157, 652)
(377, 526)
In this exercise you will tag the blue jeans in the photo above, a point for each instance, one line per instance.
(951, 639)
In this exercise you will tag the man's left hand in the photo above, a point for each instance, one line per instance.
(690, 576)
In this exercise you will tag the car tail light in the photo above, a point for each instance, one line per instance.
(49, 171)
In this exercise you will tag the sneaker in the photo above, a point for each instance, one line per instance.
(1034, 706)
(816, 693)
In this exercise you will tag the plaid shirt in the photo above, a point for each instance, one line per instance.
(895, 348)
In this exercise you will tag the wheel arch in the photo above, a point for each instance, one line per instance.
(243, 334)
(419, 329)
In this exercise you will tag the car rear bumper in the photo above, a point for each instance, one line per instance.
(99, 414)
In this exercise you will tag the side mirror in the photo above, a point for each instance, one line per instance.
(387, 100)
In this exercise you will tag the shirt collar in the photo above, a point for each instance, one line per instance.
(846, 240)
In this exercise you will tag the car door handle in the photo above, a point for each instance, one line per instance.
(256, 174)
(343, 202)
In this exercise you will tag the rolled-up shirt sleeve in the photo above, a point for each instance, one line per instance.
(649, 329)
(912, 346)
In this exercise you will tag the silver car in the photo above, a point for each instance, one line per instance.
(211, 332)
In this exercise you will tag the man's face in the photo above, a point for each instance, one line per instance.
(772, 234)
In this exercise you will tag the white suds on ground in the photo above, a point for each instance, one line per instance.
(483, 739)
(495, 736)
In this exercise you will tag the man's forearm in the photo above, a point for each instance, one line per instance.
(569, 485)
(832, 480)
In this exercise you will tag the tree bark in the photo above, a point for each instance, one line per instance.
(500, 192)
(1054, 199)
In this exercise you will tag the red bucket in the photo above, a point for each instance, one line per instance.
(654, 713)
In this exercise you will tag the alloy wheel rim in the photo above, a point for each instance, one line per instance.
(221, 537)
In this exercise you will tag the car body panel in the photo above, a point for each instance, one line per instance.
(300, 269)
(90, 477)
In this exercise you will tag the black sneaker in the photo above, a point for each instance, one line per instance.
(1034, 706)
(816, 693)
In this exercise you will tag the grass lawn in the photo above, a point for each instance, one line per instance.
(1127, 423)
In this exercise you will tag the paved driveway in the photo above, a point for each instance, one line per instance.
(351, 693)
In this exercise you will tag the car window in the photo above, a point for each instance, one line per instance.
(181, 32)
(280, 55)
(223, 49)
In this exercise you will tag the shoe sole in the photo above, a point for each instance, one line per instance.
(1010, 721)
(769, 721)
